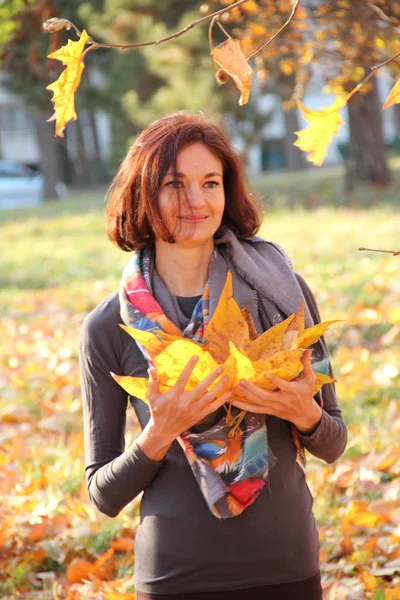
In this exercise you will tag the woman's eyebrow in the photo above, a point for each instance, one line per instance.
(182, 175)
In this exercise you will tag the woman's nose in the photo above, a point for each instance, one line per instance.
(195, 196)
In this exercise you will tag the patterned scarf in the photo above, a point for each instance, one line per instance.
(230, 463)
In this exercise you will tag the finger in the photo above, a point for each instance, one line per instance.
(184, 377)
(216, 404)
(247, 387)
(308, 372)
(280, 383)
(202, 387)
(153, 389)
(214, 391)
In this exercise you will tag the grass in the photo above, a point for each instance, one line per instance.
(56, 265)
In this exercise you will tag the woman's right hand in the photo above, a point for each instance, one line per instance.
(174, 412)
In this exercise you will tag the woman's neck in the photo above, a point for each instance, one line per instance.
(184, 271)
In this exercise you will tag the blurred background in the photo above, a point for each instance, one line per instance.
(56, 264)
(123, 91)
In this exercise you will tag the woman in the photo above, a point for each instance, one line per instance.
(209, 528)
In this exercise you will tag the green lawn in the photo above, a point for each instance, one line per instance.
(56, 265)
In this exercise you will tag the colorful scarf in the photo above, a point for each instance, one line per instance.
(230, 462)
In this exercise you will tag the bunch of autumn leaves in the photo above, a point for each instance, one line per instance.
(231, 342)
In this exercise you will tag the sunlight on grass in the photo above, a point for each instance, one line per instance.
(56, 265)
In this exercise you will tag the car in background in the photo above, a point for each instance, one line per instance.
(20, 185)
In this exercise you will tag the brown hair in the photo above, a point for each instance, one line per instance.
(133, 216)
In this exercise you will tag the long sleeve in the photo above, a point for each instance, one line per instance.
(328, 441)
(114, 476)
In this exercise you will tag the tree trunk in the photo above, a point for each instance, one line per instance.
(366, 158)
(99, 169)
(82, 167)
(54, 163)
(295, 158)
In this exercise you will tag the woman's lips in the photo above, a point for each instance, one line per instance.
(190, 219)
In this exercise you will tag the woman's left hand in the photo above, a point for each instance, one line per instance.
(293, 401)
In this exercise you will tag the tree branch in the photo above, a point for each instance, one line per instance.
(368, 77)
(394, 252)
(295, 6)
(93, 45)
(395, 23)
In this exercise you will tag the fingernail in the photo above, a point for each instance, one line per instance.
(218, 371)
(194, 358)
(270, 377)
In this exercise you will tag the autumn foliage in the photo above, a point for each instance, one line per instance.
(232, 60)
(53, 543)
(231, 343)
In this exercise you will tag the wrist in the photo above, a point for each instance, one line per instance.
(311, 422)
(153, 442)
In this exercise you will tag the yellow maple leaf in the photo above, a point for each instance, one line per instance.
(323, 125)
(229, 57)
(227, 324)
(231, 341)
(311, 335)
(65, 86)
(394, 96)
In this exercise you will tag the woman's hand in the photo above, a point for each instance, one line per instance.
(293, 401)
(177, 410)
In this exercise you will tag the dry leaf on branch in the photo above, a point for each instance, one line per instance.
(65, 86)
(230, 58)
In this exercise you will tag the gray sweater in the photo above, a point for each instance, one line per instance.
(180, 546)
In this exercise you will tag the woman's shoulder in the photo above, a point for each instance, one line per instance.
(103, 320)
(263, 245)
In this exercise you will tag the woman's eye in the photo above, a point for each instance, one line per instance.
(174, 184)
(212, 184)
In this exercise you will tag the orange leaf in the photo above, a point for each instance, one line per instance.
(65, 86)
(393, 593)
(394, 96)
(323, 125)
(110, 595)
(79, 569)
(347, 545)
(385, 459)
(122, 544)
(229, 57)
(37, 532)
(35, 557)
(370, 582)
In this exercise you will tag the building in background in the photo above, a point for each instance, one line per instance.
(91, 138)
(19, 137)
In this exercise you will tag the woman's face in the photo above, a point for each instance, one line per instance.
(199, 178)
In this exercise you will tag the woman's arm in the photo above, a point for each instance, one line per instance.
(328, 441)
(115, 476)
(322, 431)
